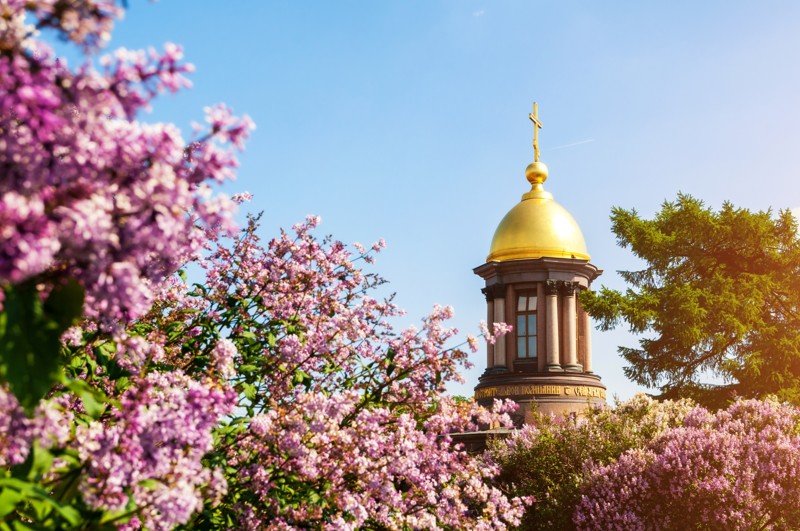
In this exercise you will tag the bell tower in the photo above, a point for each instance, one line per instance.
(537, 266)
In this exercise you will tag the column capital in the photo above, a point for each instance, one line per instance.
(495, 291)
(551, 287)
(570, 288)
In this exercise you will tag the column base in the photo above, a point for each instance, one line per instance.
(576, 367)
(554, 368)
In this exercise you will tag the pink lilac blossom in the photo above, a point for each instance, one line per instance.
(15, 436)
(222, 358)
(89, 192)
(242, 197)
(92, 193)
(150, 451)
(134, 352)
(548, 458)
(371, 438)
(380, 467)
(50, 426)
(636, 421)
(738, 468)
(86, 22)
(73, 336)
(498, 329)
(472, 342)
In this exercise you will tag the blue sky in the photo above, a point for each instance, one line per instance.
(407, 120)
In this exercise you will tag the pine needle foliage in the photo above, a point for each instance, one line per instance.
(718, 299)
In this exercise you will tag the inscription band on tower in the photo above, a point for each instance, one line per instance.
(550, 390)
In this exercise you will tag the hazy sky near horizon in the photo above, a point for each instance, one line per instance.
(407, 120)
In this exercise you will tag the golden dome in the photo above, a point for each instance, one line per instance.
(537, 227)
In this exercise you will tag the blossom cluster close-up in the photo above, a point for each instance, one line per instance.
(88, 191)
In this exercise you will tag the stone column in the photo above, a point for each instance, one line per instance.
(570, 328)
(587, 341)
(551, 291)
(500, 346)
(489, 320)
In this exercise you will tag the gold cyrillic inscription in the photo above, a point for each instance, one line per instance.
(582, 390)
(553, 390)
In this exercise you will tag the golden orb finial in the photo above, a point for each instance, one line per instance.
(536, 173)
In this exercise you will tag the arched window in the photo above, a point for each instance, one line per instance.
(526, 326)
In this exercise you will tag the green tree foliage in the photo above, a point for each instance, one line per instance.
(719, 296)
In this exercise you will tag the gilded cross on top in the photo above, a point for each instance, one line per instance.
(534, 116)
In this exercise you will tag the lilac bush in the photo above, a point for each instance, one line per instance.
(738, 468)
(548, 460)
(88, 191)
(96, 206)
(274, 395)
(149, 450)
(341, 421)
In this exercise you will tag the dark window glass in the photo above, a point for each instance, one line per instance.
(526, 326)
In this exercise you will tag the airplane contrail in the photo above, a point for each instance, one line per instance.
(570, 145)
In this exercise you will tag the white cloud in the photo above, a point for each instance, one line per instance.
(478, 13)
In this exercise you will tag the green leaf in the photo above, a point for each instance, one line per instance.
(40, 501)
(94, 401)
(67, 488)
(149, 483)
(42, 462)
(301, 377)
(35, 466)
(249, 390)
(65, 304)
(20, 526)
(22, 471)
(9, 499)
(30, 333)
